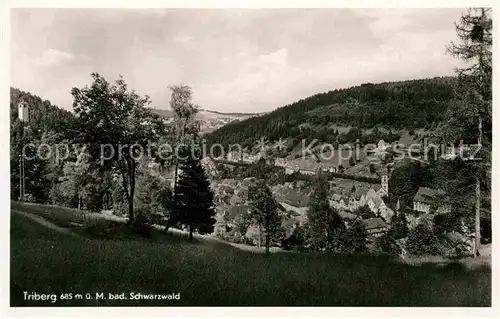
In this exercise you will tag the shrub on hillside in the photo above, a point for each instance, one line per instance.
(399, 226)
(445, 223)
(102, 228)
(142, 224)
(422, 241)
(355, 238)
(253, 235)
(297, 240)
(387, 245)
(485, 230)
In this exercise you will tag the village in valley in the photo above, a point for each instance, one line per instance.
(289, 171)
(347, 194)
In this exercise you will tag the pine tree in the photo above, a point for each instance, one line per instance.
(193, 199)
(326, 227)
(355, 238)
(399, 226)
(470, 118)
(387, 245)
(422, 241)
(185, 125)
(265, 212)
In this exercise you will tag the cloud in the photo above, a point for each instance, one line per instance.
(262, 82)
(278, 58)
(184, 40)
(52, 58)
(235, 60)
(383, 22)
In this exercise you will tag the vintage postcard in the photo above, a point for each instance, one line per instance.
(261, 156)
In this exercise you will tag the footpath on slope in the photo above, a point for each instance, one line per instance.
(42, 221)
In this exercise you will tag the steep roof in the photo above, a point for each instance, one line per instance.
(376, 200)
(303, 164)
(344, 186)
(374, 223)
(428, 195)
(291, 196)
(361, 190)
(234, 211)
(346, 215)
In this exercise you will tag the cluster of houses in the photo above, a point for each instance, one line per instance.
(304, 166)
(243, 157)
(353, 195)
(348, 195)
(426, 203)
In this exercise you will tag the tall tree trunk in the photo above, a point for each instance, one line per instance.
(129, 184)
(478, 198)
(477, 238)
(268, 237)
(20, 178)
(180, 140)
(21, 171)
(260, 233)
(132, 191)
(170, 223)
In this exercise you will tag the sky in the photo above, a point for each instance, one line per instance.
(235, 60)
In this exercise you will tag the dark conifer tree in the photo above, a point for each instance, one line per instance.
(355, 238)
(265, 212)
(470, 118)
(326, 227)
(193, 200)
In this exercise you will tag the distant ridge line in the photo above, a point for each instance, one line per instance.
(232, 113)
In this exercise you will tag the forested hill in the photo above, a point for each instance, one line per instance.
(48, 125)
(406, 104)
(45, 117)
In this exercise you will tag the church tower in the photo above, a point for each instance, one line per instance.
(23, 111)
(385, 182)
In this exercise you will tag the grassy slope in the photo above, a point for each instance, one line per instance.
(209, 273)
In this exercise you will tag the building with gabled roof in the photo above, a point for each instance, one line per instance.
(375, 227)
(426, 198)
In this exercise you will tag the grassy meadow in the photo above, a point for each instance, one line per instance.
(208, 272)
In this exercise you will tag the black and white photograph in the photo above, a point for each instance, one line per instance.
(249, 157)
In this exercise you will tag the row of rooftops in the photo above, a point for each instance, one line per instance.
(304, 165)
(429, 195)
(347, 199)
(371, 224)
